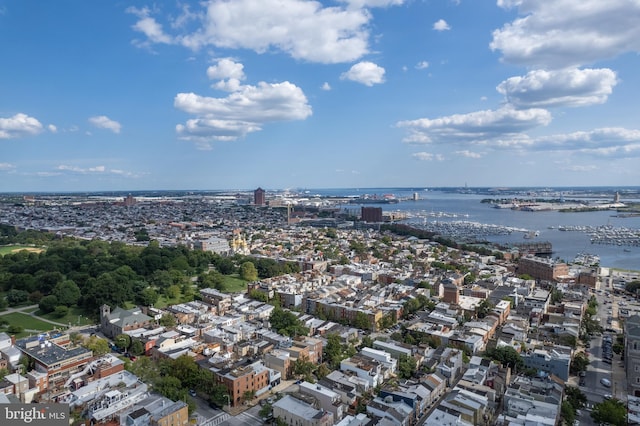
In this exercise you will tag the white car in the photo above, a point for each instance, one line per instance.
(605, 382)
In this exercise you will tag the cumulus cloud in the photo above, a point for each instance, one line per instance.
(104, 122)
(567, 87)
(229, 72)
(422, 65)
(568, 33)
(469, 154)
(475, 127)
(303, 29)
(226, 68)
(366, 73)
(243, 111)
(18, 126)
(52, 128)
(441, 25)
(427, 156)
(607, 141)
(326, 86)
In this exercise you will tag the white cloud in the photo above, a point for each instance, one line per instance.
(7, 167)
(226, 68)
(149, 27)
(607, 141)
(567, 87)
(469, 154)
(326, 86)
(52, 128)
(427, 156)
(241, 112)
(441, 25)
(104, 122)
(580, 168)
(565, 33)
(476, 127)
(422, 65)
(366, 73)
(303, 29)
(19, 125)
(97, 170)
(373, 3)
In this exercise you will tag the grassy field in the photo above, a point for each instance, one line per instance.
(15, 248)
(234, 284)
(27, 322)
(76, 316)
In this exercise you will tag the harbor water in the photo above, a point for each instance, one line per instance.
(570, 233)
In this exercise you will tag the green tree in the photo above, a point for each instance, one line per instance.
(407, 366)
(322, 371)
(361, 321)
(334, 351)
(123, 341)
(67, 292)
(367, 342)
(16, 297)
(248, 271)
(173, 291)
(506, 355)
(136, 348)
(579, 363)
(167, 320)
(48, 303)
(567, 413)
(303, 367)
(610, 411)
(258, 295)
(97, 345)
(147, 297)
(286, 323)
(575, 397)
(61, 311)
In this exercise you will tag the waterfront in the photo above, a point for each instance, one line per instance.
(450, 207)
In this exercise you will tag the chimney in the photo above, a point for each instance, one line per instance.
(13, 340)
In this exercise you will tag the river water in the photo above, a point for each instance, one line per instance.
(449, 206)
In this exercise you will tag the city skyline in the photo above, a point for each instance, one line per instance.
(291, 94)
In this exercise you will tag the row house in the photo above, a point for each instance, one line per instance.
(240, 380)
(326, 398)
(299, 411)
(365, 368)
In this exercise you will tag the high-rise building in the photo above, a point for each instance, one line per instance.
(371, 214)
(258, 197)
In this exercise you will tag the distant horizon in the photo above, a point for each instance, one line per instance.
(309, 189)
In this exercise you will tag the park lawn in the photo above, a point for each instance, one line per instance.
(234, 284)
(27, 322)
(16, 247)
(76, 316)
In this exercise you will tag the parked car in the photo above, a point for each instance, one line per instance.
(605, 382)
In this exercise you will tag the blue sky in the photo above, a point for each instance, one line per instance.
(236, 94)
